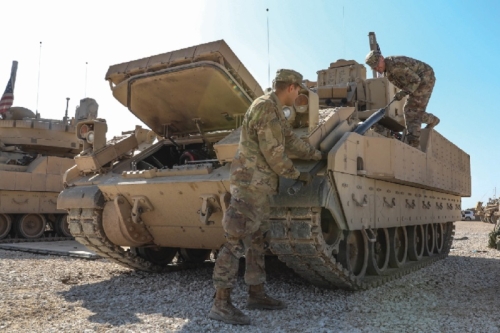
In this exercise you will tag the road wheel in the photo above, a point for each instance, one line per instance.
(399, 246)
(378, 259)
(353, 253)
(439, 237)
(5, 225)
(62, 226)
(31, 225)
(429, 239)
(416, 244)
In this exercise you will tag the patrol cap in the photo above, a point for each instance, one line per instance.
(289, 76)
(372, 58)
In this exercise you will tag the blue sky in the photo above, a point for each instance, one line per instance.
(459, 39)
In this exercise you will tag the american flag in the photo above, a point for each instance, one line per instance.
(8, 95)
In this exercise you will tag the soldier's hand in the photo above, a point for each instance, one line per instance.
(305, 177)
(318, 155)
(399, 95)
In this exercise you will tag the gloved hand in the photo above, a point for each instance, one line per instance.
(400, 94)
(305, 177)
(319, 155)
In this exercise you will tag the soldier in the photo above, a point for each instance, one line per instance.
(416, 79)
(265, 140)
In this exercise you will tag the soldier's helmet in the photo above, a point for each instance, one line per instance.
(289, 76)
(372, 58)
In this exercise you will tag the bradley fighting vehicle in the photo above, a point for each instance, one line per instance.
(490, 212)
(34, 154)
(376, 209)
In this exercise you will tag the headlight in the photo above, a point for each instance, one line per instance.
(90, 137)
(287, 112)
(84, 129)
(301, 103)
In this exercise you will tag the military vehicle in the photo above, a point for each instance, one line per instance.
(490, 212)
(34, 154)
(377, 208)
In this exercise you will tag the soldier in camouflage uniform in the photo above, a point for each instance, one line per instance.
(265, 140)
(416, 79)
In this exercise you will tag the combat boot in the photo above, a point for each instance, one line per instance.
(257, 299)
(434, 121)
(224, 311)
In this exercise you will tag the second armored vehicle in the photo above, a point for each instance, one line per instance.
(490, 212)
(34, 155)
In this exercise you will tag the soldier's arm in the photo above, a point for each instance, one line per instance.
(411, 78)
(297, 146)
(272, 143)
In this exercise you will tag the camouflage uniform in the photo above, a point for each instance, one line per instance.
(416, 79)
(261, 158)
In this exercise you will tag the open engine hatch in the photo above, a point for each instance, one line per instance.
(179, 92)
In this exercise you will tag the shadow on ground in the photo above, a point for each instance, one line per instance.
(136, 294)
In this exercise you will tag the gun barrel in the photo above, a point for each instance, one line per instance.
(370, 121)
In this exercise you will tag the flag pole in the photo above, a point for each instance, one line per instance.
(38, 88)
(8, 96)
(13, 73)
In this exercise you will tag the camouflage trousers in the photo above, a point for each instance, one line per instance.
(246, 226)
(414, 109)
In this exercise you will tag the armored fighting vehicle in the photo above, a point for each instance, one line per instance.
(489, 212)
(34, 154)
(377, 208)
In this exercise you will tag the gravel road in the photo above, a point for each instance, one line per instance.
(61, 294)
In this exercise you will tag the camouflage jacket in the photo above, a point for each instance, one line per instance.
(265, 140)
(406, 73)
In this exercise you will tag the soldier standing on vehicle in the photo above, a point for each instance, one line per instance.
(416, 79)
(265, 140)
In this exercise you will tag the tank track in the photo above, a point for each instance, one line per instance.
(297, 240)
(86, 226)
(51, 237)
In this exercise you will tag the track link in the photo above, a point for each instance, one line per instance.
(297, 240)
(86, 226)
(46, 238)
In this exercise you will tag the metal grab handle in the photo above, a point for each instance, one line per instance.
(410, 205)
(390, 204)
(361, 203)
(19, 202)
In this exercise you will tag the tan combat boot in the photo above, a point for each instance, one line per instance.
(257, 299)
(224, 311)
(434, 121)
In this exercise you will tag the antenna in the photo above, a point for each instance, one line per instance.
(39, 68)
(86, 67)
(343, 30)
(268, 53)
(372, 39)
(66, 113)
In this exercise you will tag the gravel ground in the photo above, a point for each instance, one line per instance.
(60, 294)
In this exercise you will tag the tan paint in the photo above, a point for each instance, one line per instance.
(371, 181)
